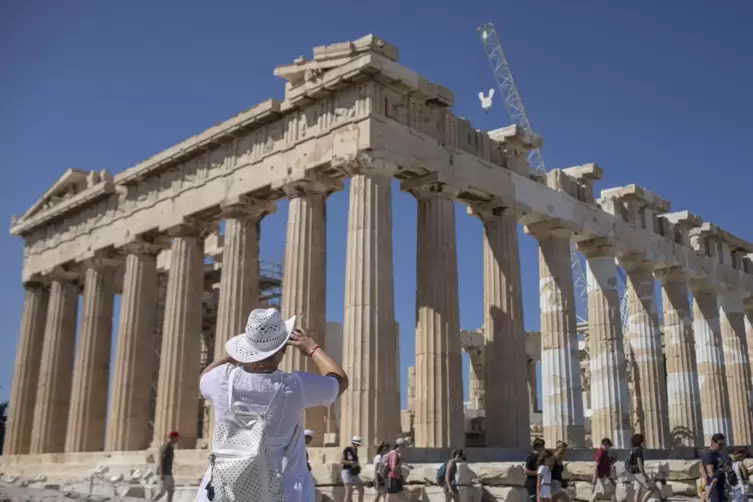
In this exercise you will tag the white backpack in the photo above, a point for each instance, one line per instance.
(240, 467)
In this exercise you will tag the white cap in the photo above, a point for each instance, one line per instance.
(356, 440)
(400, 441)
(309, 433)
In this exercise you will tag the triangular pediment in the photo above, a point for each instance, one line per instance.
(70, 183)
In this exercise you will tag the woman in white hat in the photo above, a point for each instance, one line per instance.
(262, 387)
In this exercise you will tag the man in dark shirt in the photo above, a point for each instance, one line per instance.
(710, 460)
(531, 468)
(165, 467)
(352, 470)
(636, 470)
(602, 477)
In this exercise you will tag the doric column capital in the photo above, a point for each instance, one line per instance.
(146, 247)
(433, 190)
(490, 211)
(36, 284)
(366, 163)
(670, 275)
(597, 247)
(547, 229)
(314, 184)
(191, 227)
(700, 287)
(63, 274)
(242, 207)
(632, 263)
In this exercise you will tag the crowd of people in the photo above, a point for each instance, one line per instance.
(259, 449)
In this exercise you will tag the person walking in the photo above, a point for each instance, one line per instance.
(379, 460)
(308, 436)
(165, 467)
(544, 478)
(710, 461)
(602, 476)
(636, 469)
(351, 470)
(531, 469)
(394, 473)
(717, 490)
(449, 481)
(559, 484)
(739, 488)
(248, 378)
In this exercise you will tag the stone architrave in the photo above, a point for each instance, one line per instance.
(239, 283)
(369, 325)
(91, 375)
(683, 396)
(644, 337)
(560, 358)
(438, 402)
(304, 288)
(130, 403)
(610, 400)
(507, 419)
(56, 368)
(712, 380)
(736, 366)
(178, 390)
(26, 372)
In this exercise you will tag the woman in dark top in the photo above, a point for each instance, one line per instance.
(531, 469)
(558, 481)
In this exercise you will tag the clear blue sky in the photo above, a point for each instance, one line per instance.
(656, 92)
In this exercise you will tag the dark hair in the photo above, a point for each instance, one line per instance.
(561, 444)
(637, 440)
(741, 451)
(606, 442)
(538, 442)
(457, 452)
(545, 455)
(718, 438)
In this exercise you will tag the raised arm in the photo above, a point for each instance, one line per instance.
(323, 361)
(219, 362)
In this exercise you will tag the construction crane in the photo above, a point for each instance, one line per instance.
(517, 112)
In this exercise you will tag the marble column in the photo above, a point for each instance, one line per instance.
(736, 366)
(683, 396)
(26, 373)
(178, 390)
(239, 283)
(533, 388)
(91, 374)
(130, 402)
(369, 341)
(748, 307)
(507, 419)
(610, 400)
(560, 358)
(304, 287)
(712, 380)
(644, 336)
(439, 418)
(476, 380)
(56, 368)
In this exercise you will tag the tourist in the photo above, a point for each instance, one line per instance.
(253, 359)
(449, 481)
(602, 477)
(351, 470)
(165, 467)
(710, 461)
(636, 470)
(393, 473)
(739, 489)
(308, 436)
(379, 459)
(716, 491)
(559, 484)
(544, 476)
(531, 469)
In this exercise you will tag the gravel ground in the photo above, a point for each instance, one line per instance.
(19, 494)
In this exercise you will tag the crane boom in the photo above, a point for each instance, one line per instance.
(507, 87)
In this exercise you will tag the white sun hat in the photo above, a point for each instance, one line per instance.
(308, 433)
(265, 334)
(356, 440)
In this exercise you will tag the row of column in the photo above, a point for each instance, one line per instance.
(707, 387)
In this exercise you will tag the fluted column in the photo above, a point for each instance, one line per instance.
(178, 391)
(560, 359)
(368, 330)
(56, 368)
(439, 420)
(130, 402)
(239, 283)
(712, 380)
(736, 366)
(91, 373)
(644, 336)
(476, 379)
(683, 395)
(304, 287)
(26, 373)
(507, 419)
(748, 307)
(610, 400)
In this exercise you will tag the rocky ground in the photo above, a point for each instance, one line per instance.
(23, 494)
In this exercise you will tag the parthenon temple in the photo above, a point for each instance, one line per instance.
(354, 112)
